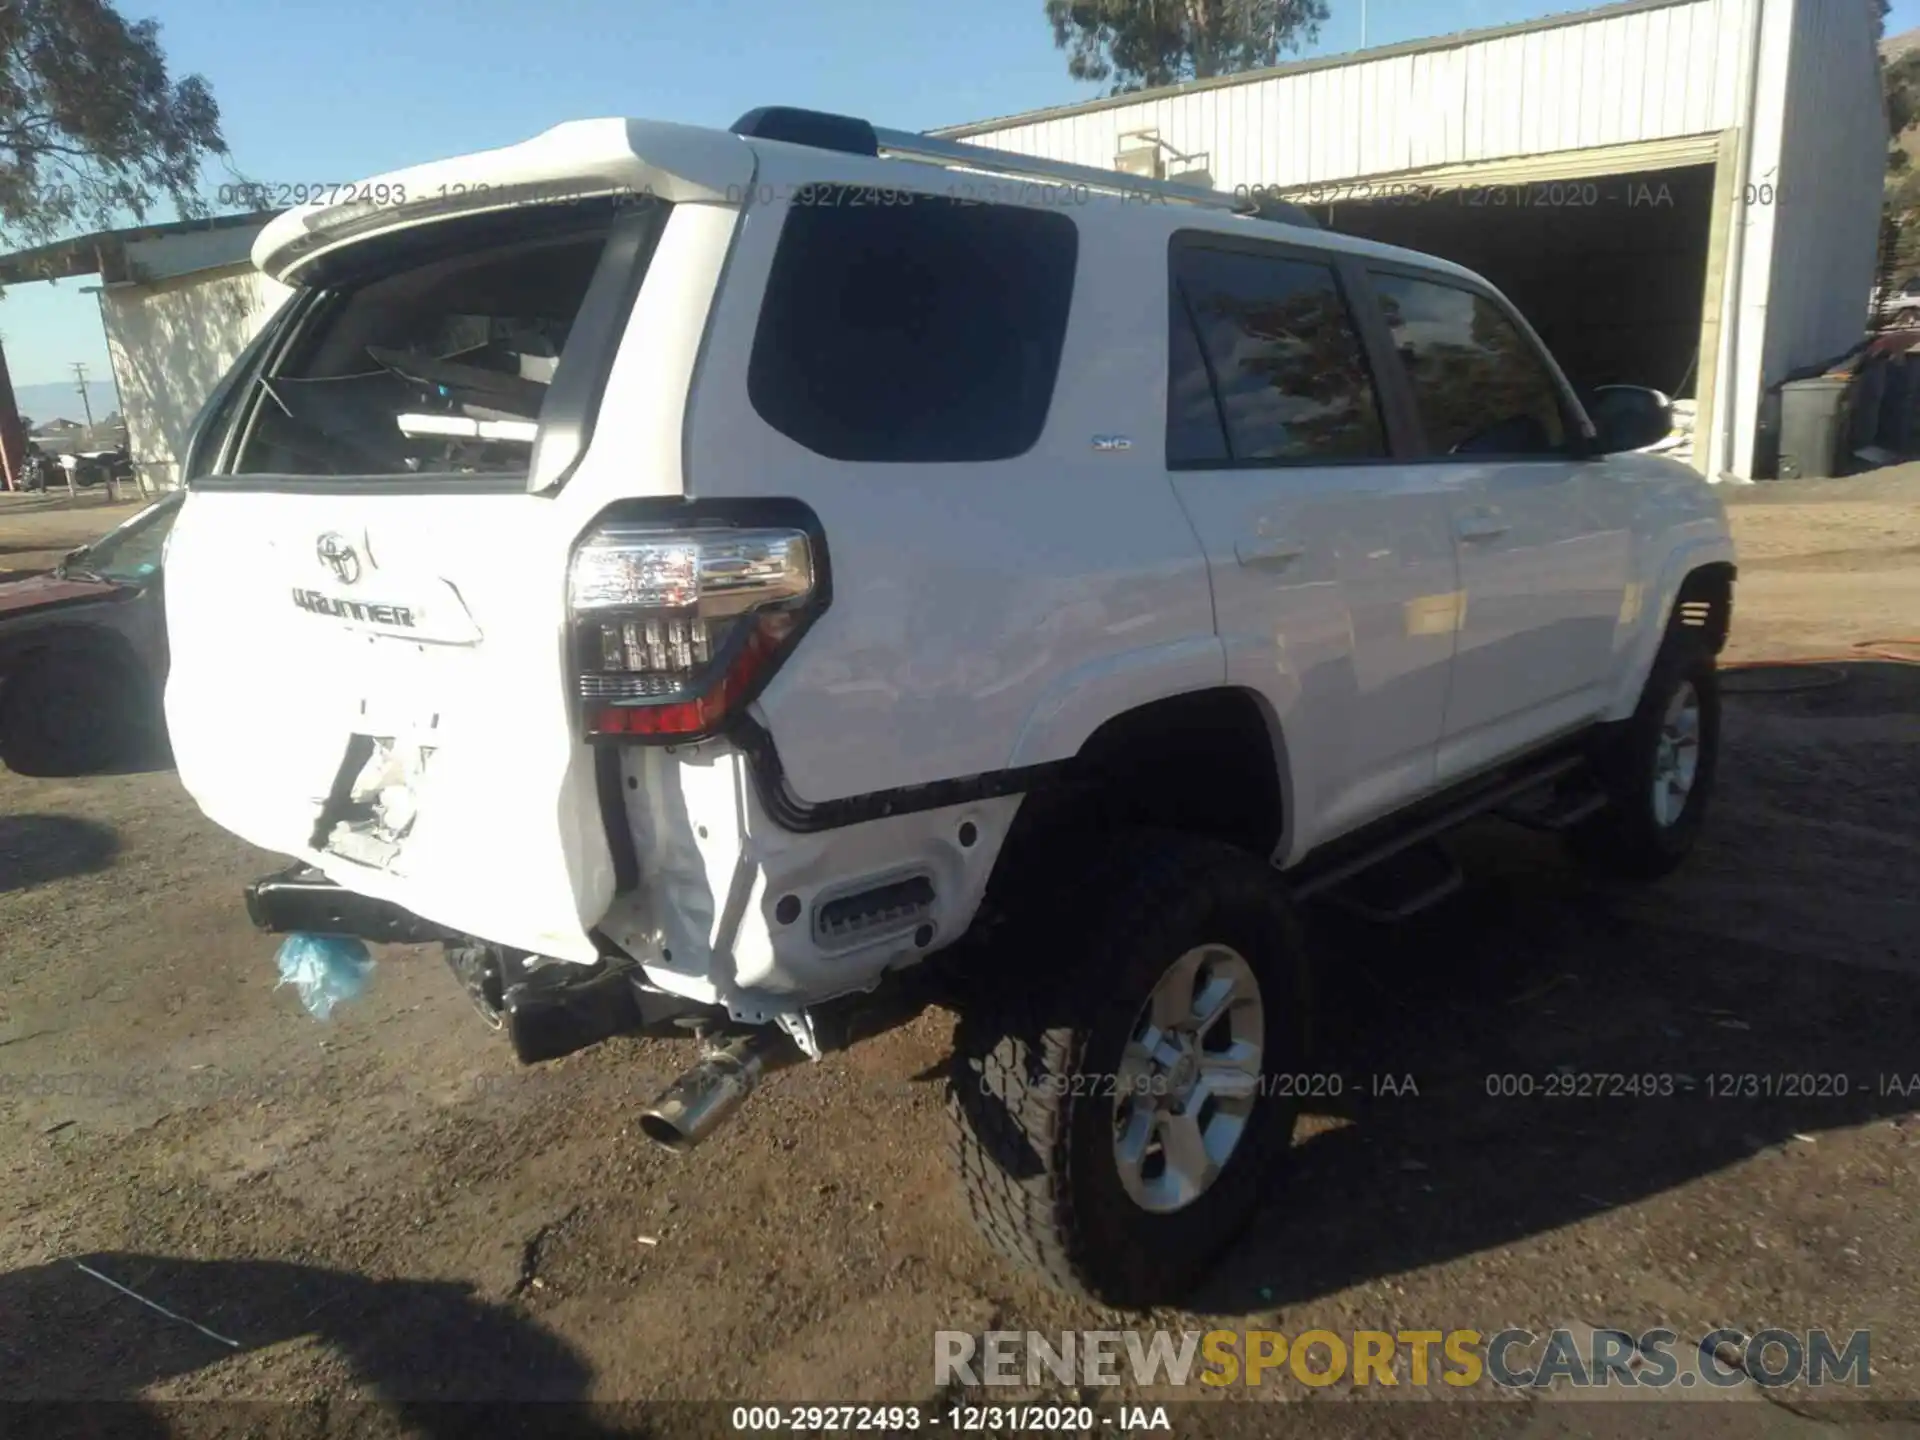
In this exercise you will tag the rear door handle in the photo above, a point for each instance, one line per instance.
(1481, 525)
(1268, 550)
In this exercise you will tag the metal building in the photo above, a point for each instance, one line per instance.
(1678, 193)
(179, 302)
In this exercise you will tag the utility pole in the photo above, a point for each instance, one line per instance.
(86, 405)
(80, 376)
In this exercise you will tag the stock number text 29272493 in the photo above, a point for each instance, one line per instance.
(265, 195)
(278, 194)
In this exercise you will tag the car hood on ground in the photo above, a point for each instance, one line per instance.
(38, 591)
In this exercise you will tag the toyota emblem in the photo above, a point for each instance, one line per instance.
(339, 556)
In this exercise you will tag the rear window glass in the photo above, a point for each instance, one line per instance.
(434, 364)
(926, 329)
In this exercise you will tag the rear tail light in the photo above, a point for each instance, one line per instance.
(675, 629)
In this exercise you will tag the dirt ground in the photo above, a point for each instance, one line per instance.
(385, 1208)
(36, 530)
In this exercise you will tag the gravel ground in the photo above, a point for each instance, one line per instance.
(385, 1209)
(37, 529)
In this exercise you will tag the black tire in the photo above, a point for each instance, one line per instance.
(1628, 838)
(73, 712)
(1033, 1101)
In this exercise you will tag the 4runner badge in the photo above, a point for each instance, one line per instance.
(368, 612)
(339, 556)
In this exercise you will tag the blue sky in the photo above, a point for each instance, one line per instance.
(334, 90)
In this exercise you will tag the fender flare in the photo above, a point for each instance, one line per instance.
(1656, 614)
(1077, 705)
(1057, 728)
(1079, 702)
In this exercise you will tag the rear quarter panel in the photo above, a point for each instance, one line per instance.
(984, 615)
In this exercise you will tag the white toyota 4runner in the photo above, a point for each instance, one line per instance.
(697, 576)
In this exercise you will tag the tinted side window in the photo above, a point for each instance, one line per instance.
(1196, 429)
(928, 329)
(1291, 375)
(1479, 384)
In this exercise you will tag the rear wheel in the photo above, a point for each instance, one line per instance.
(1114, 1103)
(1658, 768)
(73, 712)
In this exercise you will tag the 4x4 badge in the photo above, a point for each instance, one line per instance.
(339, 556)
(1112, 442)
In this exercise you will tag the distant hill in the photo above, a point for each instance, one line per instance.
(53, 400)
(1894, 46)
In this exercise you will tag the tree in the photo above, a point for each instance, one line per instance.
(92, 128)
(1142, 43)
(1900, 79)
(1900, 257)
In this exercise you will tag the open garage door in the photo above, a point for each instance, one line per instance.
(1607, 253)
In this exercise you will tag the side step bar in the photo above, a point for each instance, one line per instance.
(1400, 886)
(1560, 808)
(1369, 847)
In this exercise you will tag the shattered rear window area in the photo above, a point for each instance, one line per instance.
(431, 366)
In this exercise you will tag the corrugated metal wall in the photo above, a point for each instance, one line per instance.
(170, 343)
(1618, 78)
(1790, 284)
(1827, 195)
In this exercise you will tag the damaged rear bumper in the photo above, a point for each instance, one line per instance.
(300, 898)
(547, 1010)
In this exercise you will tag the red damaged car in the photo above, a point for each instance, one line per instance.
(83, 654)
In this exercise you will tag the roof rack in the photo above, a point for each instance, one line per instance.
(909, 146)
(855, 136)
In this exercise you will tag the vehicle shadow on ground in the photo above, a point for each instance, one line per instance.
(425, 1354)
(1529, 1057)
(36, 849)
(1488, 1053)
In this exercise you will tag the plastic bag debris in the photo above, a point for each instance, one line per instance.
(325, 969)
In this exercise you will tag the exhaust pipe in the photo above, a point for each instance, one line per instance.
(704, 1098)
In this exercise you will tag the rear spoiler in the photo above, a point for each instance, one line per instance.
(579, 160)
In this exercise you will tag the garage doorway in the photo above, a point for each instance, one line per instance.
(1612, 269)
